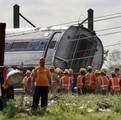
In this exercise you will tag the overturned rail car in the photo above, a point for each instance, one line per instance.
(64, 47)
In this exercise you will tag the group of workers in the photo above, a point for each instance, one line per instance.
(55, 80)
(42, 80)
(87, 81)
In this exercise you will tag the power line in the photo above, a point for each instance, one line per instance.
(111, 45)
(108, 28)
(94, 21)
(109, 33)
(107, 18)
(66, 23)
(108, 15)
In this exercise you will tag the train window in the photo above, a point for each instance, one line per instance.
(19, 46)
(30, 45)
(37, 45)
(52, 44)
(43, 45)
(33, 46)
(55, 38)
(8, 47)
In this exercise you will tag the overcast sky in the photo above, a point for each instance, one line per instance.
(43, 13)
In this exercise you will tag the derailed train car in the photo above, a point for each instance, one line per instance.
(66, 47)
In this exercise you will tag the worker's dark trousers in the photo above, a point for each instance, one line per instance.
(1, 105)
(40, 91)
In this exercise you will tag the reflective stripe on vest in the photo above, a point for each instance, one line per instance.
(89, 81)
(79, 81)
(113, 86)
(105, 83)
(66, 85)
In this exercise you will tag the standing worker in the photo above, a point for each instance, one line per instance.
(42, 80)
(90, 80)
(66, 82)
(25, 81)
(114, 83)
(55, 80)
(71, 74)
(30, 86)
(104, 83)
(98, 81)
(81, 82)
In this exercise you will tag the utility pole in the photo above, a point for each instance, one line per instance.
(16, 18)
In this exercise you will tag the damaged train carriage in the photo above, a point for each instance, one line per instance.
(69, 47)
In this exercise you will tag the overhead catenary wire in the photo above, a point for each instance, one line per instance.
(94, 20)
(66, 23)
(95, 36)
(111, 28)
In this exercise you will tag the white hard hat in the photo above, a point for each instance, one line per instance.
(28, 72)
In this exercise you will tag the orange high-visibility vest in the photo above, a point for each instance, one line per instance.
(5, 85)
(42, 76)
(79, 81)
(97, 80)
(105, 83)
(114, 82)
(25, 82)
(90, 81)
(66, 82)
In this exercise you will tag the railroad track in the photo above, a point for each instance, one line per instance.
(18, 91)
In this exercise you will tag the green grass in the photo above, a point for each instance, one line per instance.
(65, 107)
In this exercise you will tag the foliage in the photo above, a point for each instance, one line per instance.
(115, 57)
(11, 110)
(66, 107)
(105, 55)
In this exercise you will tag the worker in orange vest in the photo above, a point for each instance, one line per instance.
(81, 82)
(71, 74)
(98, 80)
(104, 83)
(60, 75)
(66, 82)
(114, 83)
(42, 80)
(5, 72)
(30, 85)
(90, 80)
(25, 81)
(9, 89)
(105, 72)
(55, 80)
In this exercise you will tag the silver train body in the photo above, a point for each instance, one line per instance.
(69, 47)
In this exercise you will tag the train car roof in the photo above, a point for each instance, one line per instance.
(37, 33)
(44, 32)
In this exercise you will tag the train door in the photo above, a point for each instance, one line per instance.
(52, 46)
